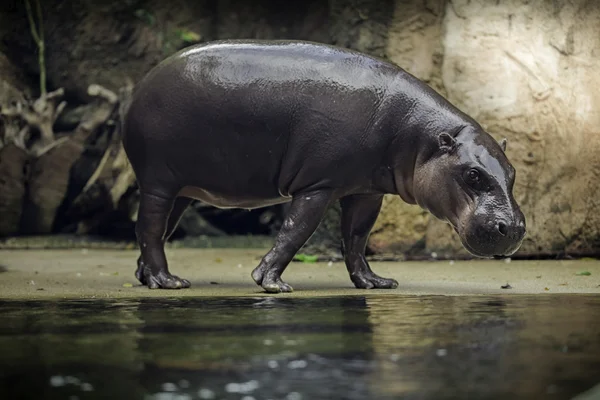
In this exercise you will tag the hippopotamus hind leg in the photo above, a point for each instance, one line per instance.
(359, 213)
(180, 205)
(303, 218)
(151, 229)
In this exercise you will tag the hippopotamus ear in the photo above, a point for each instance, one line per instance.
(447, 142)
(502, 143)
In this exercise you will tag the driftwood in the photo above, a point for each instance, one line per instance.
(78, 182)
(13, 132)
(13, 165)
(105, 189)
(49, 159)
(39, 116)
(14, 159)
(50, 171)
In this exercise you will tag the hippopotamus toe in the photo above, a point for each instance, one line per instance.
(163, 280)
(369, 280)
(276, 286)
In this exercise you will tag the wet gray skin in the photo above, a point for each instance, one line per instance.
(252, 123)
(374, 347)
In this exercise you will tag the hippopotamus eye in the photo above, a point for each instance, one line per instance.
(474, 179)
(473, 175)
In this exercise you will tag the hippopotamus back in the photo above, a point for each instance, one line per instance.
(256, 122)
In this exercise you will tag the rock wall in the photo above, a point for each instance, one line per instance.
(13, 87)
(527, 70)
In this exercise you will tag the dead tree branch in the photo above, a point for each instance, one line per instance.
(40, 115)
(100, 115)
(13, 133)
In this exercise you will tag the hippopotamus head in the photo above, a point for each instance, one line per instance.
(468, 181)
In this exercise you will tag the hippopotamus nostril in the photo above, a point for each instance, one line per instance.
(502, 228)
(521, 229)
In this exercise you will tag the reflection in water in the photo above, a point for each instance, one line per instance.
(511, 347)
(371, 347)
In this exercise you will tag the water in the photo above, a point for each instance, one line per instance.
(513, 347)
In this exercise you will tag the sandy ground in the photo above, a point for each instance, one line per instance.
(39, 274)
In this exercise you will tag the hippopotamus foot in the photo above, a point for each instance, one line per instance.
(369, 280)
(157, 219)
(359, 213)
(162, 280)
(304, 216)
(270, 280)
(139, 272)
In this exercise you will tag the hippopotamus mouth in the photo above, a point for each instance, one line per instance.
(499, 247)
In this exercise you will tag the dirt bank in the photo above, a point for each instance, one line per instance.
(46, 274)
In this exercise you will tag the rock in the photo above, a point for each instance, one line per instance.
(13, 83)
(526, 71)
(414, 39)
(400, 228)
(327, 239)
(235, 19)
(48, 180)
(414, 43)
(360, 24)
(193, 224)
(13, 159)
(13, 163)
(529, 72)
(71, 117)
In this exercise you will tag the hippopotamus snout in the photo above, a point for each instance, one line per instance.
(496, 236)
(510, 234)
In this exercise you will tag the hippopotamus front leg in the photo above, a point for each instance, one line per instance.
(359, 213)
(303, 218)
(152, 230)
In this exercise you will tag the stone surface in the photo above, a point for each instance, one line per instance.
(13, 159)
(400, 228)
(13, 83)
(527, 71)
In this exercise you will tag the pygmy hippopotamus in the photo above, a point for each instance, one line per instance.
(252, 123)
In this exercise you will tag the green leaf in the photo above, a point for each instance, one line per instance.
(584, 273)
(188, 36)
(127, 285)
(307, 258)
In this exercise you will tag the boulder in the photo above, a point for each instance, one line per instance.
(13, 158)
(526, 71)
